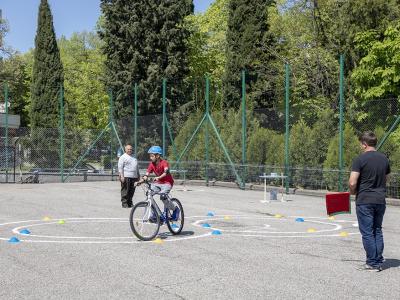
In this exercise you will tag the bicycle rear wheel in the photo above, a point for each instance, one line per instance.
(175, 220)
(144, 221)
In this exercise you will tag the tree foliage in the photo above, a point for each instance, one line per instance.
(207, 41)
(145, 41)
(376, 78)
(85, 92)
(248, 39)
(48, 74)
(14, 73)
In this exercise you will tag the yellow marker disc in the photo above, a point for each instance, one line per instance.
(227, 218)
(311, 230)
(158, 241)
(46, 219)
(344, 234)
(278, 216)
(61, 222)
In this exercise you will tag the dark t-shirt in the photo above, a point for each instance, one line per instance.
(373, 167)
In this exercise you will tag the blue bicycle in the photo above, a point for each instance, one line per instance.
(146, 217)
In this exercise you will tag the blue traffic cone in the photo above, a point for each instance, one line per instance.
(206, 225)
(216, 232)
(299, 220)
(25, 231)
(210, 214)
(14, 240)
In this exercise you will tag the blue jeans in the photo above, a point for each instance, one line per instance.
(370, 217)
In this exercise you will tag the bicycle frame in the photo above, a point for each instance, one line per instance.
(150, 199)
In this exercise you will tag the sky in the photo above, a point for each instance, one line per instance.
(68, 16)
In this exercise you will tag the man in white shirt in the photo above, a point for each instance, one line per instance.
(128, 169)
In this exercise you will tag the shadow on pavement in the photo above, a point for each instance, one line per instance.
(391, 263)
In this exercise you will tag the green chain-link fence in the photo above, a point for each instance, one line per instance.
(231, 145)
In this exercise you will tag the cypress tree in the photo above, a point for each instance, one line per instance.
(48, 73)
(144, 43)
(248, 48)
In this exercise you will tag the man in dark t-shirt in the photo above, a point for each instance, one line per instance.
(368, 182)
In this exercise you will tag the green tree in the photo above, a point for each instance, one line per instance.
(207, 41)
(145, 41)
(340, 21)
(322, 130)
(3, 31)
(390, 147)
(314, 68)
(351, 150)
(13, 71)
(206, 45)
(265, 146)
(48, 74)
(248, 41)
(377, 76)
(84, 89)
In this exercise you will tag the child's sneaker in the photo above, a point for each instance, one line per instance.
(175, 214)
(162, 218)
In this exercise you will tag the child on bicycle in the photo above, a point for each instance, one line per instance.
(163, 180)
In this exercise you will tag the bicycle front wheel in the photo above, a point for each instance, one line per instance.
(176, 217)
(144, 221)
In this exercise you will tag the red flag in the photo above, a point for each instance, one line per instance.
(338, 203)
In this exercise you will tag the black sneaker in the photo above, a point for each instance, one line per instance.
(367, 267)
(126, 205)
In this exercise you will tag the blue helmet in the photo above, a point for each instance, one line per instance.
(155, 150)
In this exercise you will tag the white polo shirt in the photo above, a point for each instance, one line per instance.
(128, 166)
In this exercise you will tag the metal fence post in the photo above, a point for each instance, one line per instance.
(341, 106)
(206, 138)
(244, 126)
(135, 118)
(287, 132)
(164, 99)
(111, 119)
(61, 129)
(6, 141)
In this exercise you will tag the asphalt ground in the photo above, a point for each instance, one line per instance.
(262, 252)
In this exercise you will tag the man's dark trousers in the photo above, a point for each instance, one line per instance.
(127, 191)
(370, 217)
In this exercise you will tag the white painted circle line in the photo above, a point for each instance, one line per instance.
(110, 242)
(106, 240)
(337, 226)
(98, 240)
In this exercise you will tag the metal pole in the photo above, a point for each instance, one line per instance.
(171, 137)
(88, 150)
(6, 142)
(392, 128)
(61, 129)
(191, 139)
(135, 118)
(221, 143)
(164, 99)
(244, 125)
(287, 119)
(111, 119)
(207, 96)
(341, 104)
